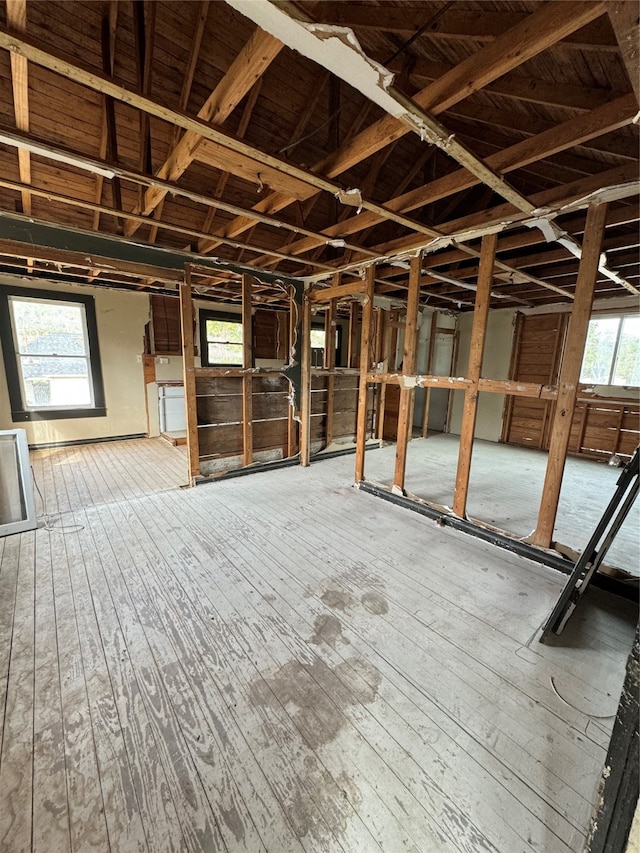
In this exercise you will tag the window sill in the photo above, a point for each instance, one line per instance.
(56, 414)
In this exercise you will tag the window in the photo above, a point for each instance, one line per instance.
(317, 337)
(612, 352)
(220, 339)
(50, 347)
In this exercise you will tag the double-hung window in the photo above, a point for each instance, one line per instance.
(220, 339)
(612, 351)
(50, 347)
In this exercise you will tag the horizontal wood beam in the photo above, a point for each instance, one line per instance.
(529, 89)
(557, 198)
(58, 153)
(418, 381)
(83, 249)
(160, 224)
(100, 83)
(599, 121)
(539, 31)
(337, 291)
(248, 66)
(512, 388)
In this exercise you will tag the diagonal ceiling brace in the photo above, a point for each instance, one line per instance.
(338, 50)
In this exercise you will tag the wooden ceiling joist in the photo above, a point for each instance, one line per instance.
(105, 168)
(548, 163)
(528, 89)
(553, 202)
(601, 120)
(252, 61)
(199, 128)
(17, 20)
(540, 30)
(625, 20)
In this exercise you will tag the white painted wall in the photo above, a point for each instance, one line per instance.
(120, 319)
(495, 365)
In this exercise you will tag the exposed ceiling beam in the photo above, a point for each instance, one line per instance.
(17, 20)
(347, 62)
(88, 250)
(224, 175)
(100, 83)
(614, 184)
(540, 30)
(452, 24)
(335, 52)
(563, 136)
(506, 120)
(625, 19)
(434, 275)
(136, 217)
(529, 89)
(619, 216)
(516, 276)
(248, 66)
(106, 169)
(551, 203)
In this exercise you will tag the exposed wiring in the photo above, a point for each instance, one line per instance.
(311, 133)
(419, 32)
(575, 708)
(47, 519)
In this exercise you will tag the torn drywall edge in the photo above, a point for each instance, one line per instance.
(549, 230)
(603, 196)
(333, 47)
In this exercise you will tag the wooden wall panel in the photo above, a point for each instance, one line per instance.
(538, 345)
(270, 334)
(226, 439)
(601, 426)
(219, 402)
(165, 325)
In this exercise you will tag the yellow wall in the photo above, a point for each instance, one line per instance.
(120, 318)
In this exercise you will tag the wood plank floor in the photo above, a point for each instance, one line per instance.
(282, 663)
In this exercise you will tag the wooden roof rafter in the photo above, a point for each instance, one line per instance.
(243, 73)
(287, 22)
(312, 223)
(462, 26)
(17, 20)
(106, 168)
(540, 30)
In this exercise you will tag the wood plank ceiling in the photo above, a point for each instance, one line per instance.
(184, 125)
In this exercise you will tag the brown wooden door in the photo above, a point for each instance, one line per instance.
(537, 351)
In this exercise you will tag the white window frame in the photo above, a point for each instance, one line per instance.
(616, 348)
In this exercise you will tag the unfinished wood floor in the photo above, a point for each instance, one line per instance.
(282, 663)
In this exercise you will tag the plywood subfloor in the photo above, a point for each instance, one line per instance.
(283, 663)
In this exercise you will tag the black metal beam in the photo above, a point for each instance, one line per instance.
(500, 540)
(24, 229)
